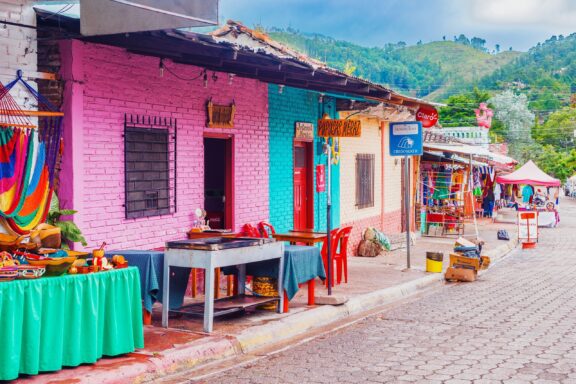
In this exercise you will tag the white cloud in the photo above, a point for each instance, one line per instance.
(527, 12)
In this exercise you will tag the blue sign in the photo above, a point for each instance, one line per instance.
(406, 138)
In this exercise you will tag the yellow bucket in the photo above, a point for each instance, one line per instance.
(434, 262)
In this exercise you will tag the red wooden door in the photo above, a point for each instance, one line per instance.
(301, 186)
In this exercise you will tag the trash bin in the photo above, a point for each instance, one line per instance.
(434, 262)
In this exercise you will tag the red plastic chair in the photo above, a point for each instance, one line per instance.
(334, 240)
(266, 229)
(249, 230)
(341, 257)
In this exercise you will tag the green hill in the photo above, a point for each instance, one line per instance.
(546, 73)
(462, 65)
(423, 70)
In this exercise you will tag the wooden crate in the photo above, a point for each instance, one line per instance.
(464, 262)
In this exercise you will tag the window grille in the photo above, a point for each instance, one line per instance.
(149, 166)
(364, 180)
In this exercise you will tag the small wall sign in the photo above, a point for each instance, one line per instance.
(320, 178)
(304, 131)
(220, 116)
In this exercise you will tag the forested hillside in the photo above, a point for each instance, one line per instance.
(530, 92)
(546, 73)
(422, 70)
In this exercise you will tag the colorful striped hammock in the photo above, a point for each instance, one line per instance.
(27, 161)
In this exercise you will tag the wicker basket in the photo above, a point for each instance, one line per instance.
(267, 287)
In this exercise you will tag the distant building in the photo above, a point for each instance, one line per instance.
(469, 135)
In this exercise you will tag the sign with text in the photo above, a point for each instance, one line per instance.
(406, 138)
(528, 226)
(339, 128)
(304, 131)
(427, 115)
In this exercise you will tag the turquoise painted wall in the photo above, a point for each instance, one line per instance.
(284, 110)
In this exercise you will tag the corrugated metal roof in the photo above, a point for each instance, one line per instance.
(471, 150)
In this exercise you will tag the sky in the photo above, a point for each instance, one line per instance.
(519, 24)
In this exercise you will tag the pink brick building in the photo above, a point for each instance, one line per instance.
(104, 84)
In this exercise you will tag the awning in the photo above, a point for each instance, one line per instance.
(476, 152)
(441, 156)
(529, 173)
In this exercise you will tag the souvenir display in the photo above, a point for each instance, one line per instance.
(442, 198)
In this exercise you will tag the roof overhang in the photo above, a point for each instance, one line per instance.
(215, 53)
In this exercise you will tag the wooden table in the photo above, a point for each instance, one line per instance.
(307, 237)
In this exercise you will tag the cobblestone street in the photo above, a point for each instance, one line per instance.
(516, 324)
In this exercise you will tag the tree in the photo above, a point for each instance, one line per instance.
(462, 39)
(512, 110)
(459, 109)
(478, 43)
(349, 68)
(558, 130)
(497, 46)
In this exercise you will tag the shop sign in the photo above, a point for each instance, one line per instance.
(320, 178)
(427, 115)
(406, 139)
(339, 128)
(304, 131)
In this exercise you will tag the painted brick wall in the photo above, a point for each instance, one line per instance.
(115, 83)
(369, 143)
(17, 44)
(285, 109)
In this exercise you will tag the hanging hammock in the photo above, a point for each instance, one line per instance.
(27, 158)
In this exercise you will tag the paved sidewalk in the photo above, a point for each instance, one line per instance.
(372, 282)
(515, 325)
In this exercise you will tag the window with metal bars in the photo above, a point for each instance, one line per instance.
(150, 166)
(364, 180)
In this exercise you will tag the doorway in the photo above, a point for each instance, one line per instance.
(303, 186)
(219, 181)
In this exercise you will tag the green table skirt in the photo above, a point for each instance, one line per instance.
(53, 322)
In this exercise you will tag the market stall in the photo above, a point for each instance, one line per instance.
(539, 192)
(442, 197)
(58, 308)
(55, 322)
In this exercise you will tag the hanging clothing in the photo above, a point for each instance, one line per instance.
(457, 181)
(497, 192)
(441, 190)
(477, 183)
(527, 193)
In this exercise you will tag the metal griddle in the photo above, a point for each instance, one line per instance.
(216, 243)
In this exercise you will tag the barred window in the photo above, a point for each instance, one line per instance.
(364, 180)
(150, 161)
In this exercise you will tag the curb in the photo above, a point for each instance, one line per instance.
(194, 355)
(286, 328)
